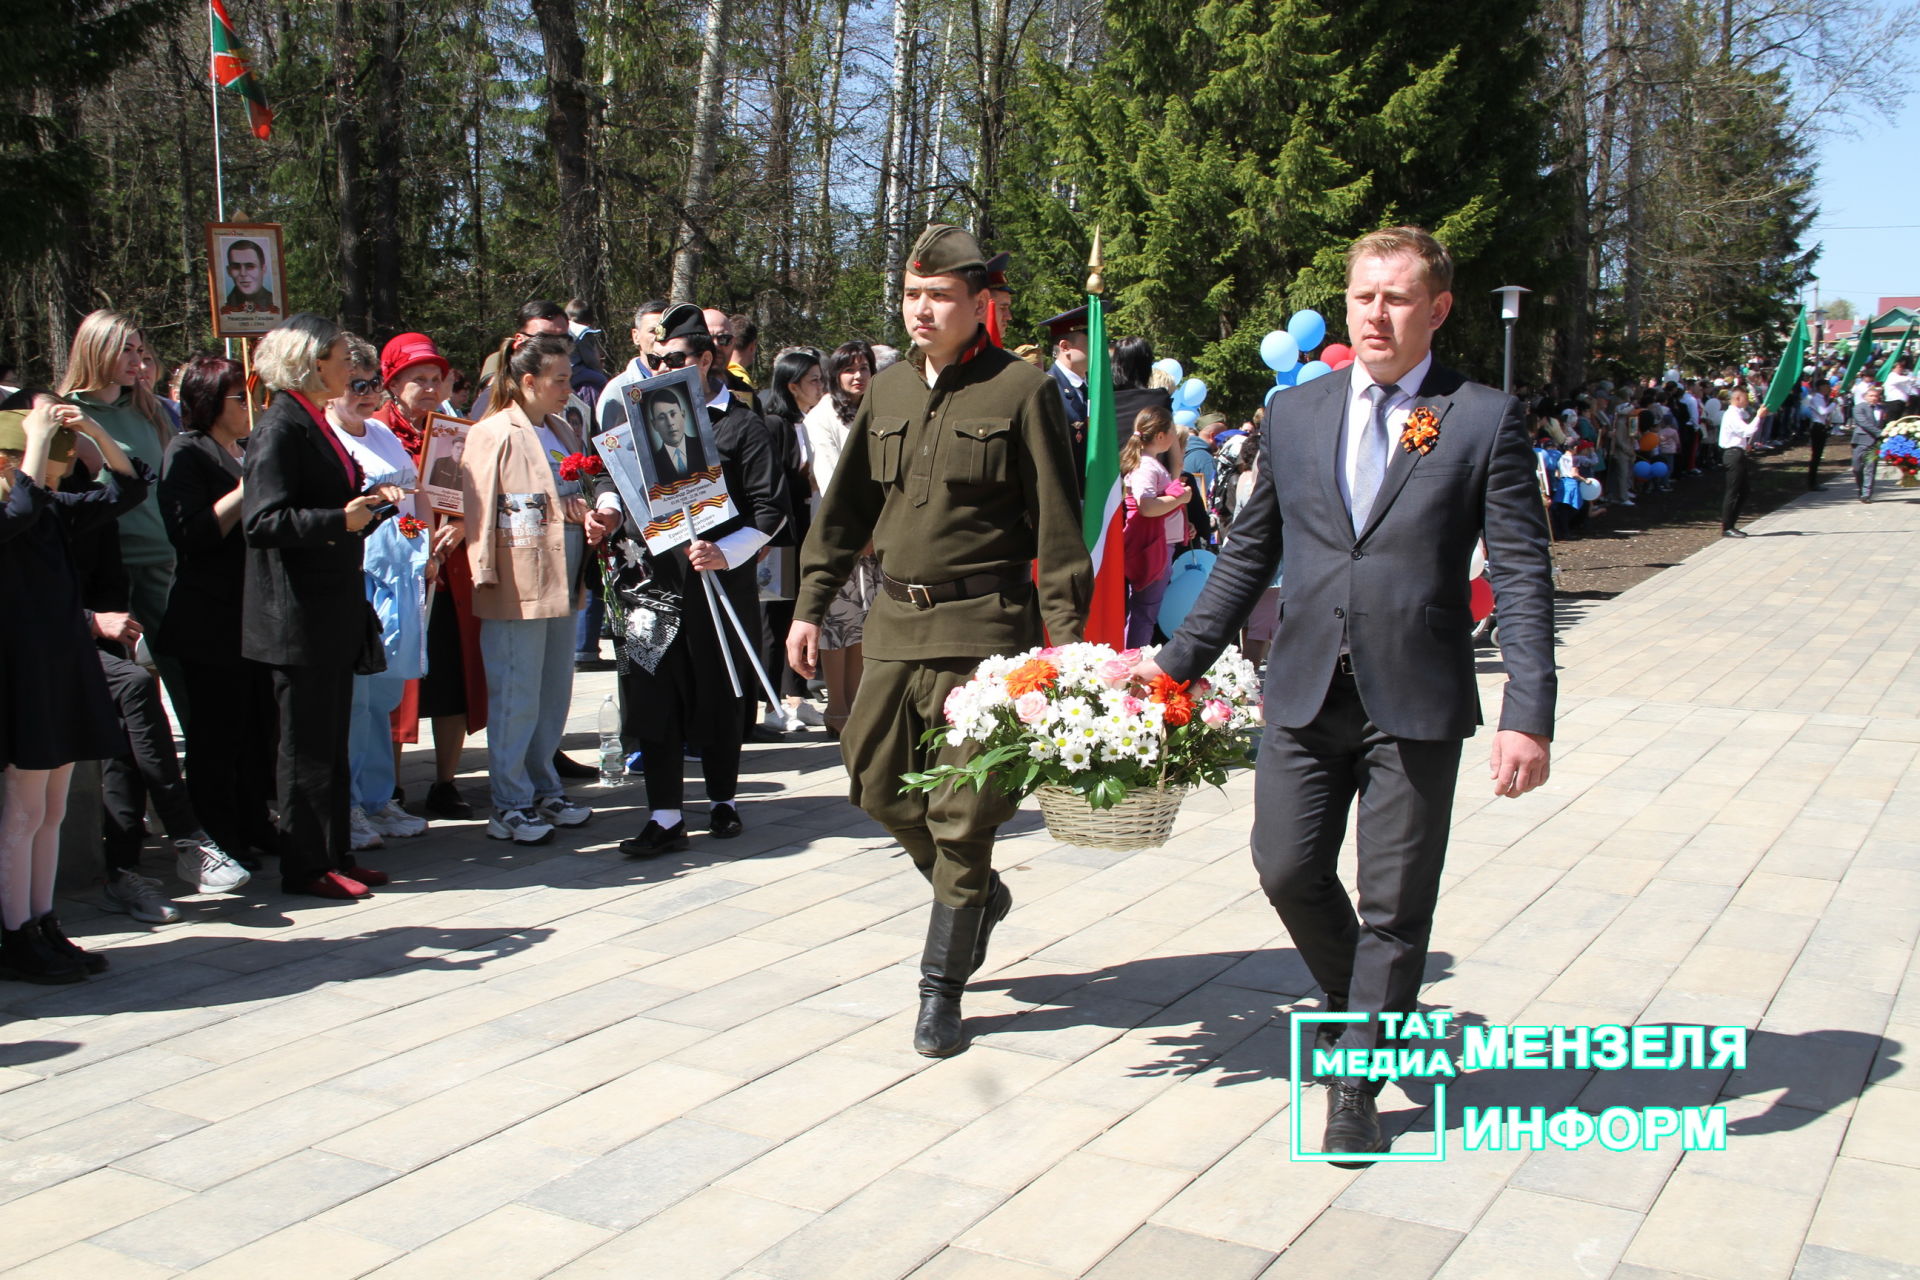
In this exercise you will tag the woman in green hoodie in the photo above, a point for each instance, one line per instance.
(104, 379)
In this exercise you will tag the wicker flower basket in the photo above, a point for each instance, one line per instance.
(1143, 820)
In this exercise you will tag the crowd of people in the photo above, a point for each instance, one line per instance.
(264, 549)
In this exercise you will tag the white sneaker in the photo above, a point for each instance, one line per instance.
(391, 820)
(776, 720)
(362, 834)
(522, 826)
(206, 866)
(562, 811)
(807, 713)
(133, 894)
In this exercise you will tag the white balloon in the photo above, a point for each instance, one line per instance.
(1478, 565)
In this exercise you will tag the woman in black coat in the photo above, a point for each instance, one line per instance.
(304, 611)
(1132, 374)
(230, 738)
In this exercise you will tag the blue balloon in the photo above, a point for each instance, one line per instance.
(1643, 471)
(1185, 577)
(1308, 328)
(1185, 417)
(1313, 369)
(1171, 368)
(1278, 351)
(1659, 470)
(1271, 393)
(1193, 393)
(1287, 377)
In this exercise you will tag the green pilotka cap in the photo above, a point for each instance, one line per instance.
(945, 250)
(13, 436)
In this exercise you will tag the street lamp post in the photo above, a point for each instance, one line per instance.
(1509, 314)
(1819, 332)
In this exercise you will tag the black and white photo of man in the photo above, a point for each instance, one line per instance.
(676, 450)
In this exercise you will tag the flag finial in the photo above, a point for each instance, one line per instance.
(1094, 283)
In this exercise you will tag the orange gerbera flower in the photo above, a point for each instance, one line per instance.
(1035, 675)
(1171, 694)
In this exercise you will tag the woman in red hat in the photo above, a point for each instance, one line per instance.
(453, 693)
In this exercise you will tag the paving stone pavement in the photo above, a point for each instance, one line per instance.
(556, 1062)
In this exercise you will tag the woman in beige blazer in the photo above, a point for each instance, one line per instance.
(526, 546)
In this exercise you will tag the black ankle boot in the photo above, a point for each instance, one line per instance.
(26, 957)
(56, 938)
(953, 936)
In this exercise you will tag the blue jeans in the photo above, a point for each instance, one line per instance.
(586, 633)
(370, 738)
(529, 689)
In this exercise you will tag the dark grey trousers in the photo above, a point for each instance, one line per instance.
(1306, 779)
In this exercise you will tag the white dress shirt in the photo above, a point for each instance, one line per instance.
(1902, 386)
(1736, 429)
(1360, 415)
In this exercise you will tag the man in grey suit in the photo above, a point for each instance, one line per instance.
(1869, 415)
(1380, 481)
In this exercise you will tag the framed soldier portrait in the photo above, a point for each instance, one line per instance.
(246, 280)
(667, 453)
(446, 440)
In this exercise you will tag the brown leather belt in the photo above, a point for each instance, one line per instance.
(927, 595)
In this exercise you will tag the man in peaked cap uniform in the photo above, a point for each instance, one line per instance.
(1068, 333)
(1000, 314)
(957, 470)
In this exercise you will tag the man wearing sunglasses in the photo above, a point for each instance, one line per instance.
(720, 329)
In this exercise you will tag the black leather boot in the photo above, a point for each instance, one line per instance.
(25, 955)
(56, 937)
(954, 934)
(999, 902)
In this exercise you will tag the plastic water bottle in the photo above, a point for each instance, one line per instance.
(613, 763)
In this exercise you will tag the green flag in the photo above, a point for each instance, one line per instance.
(1786, 374)
(1862, 348)
(1899, 349)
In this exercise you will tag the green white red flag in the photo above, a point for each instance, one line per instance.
(231, 71)
(1103, 516)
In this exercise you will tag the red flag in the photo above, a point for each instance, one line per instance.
(231, 71)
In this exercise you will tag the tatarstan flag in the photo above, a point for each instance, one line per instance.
(230, 71)
(1102, 517)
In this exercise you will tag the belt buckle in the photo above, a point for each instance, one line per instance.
(918, 596)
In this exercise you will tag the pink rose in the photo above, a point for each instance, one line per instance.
(1129, 656)
(1201, 687)
(1031, 707)
(1115, 672)
(1132, 706)
(1050, 651)
(1216, 714)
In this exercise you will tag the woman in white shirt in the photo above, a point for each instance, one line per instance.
(395, 565)
(849, 369)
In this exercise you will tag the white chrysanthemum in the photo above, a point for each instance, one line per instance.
(1071, 713)
(1076, 758)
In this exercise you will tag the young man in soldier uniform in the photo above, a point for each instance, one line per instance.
(957, 470)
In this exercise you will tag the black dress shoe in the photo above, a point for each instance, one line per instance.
(567, 767)
(655, 839)
(1353, 1125)
(1733, 533)
(444, 801)
(56, 937)
(724, 822)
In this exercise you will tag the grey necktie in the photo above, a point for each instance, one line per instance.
(1370, 464)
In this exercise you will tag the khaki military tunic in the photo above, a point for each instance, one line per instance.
(973, 475)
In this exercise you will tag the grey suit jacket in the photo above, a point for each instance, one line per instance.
(1398, 593)
(1866, 422)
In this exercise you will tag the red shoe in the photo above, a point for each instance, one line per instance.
(369, 877)
(330, 885)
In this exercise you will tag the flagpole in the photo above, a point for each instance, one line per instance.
(213, 78)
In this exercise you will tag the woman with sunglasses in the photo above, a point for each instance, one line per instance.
(395, 564)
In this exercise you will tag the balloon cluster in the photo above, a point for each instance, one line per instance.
(1644, 470)
(1188, 393)
(1288, 351)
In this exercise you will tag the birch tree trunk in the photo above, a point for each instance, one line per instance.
(892, 205)
(352, 248)
(706, 140)
(569, 126)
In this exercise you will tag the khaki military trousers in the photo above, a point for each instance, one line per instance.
(948, 832)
